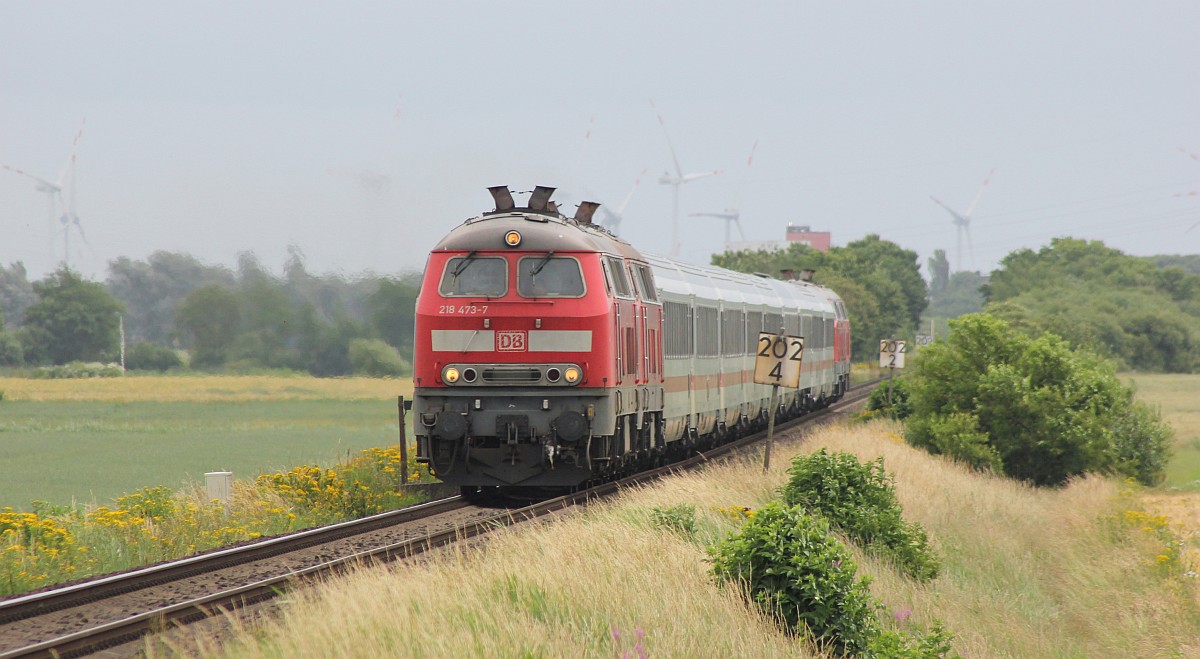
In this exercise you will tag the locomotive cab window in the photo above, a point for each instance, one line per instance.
(617, 277)
(645, 282)
(549, 276)
(474, 276)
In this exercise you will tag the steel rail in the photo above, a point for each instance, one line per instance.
(27, 606)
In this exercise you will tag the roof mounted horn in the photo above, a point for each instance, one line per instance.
(503, 197)
(583, 214)
(540, 198)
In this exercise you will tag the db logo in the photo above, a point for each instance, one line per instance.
(510, 341)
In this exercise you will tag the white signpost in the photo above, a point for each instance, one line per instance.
(891, 353)
(891, 357)
(777, 364)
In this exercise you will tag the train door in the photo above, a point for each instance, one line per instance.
(648, 332)
(638, 339)
(651, 327)
(624, 325)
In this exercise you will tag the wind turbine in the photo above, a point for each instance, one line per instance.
(675, 181)
(611, 219)
(963, 222)
(53, 191)
(731, 214)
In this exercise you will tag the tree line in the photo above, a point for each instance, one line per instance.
(171, 305)
(1139, 312)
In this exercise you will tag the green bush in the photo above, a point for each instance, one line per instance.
(147, 356)
(78, 370)
(1032, 408)
(375, 358)
(860, 500)
(795, 570)
(679, 519)
(956, 435)
(933, 644)
(1142, 442)
(890, 399)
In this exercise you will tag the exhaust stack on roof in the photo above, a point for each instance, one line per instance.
(503, 197)
(583, 214)
(540, 198)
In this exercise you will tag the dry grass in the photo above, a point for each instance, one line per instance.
(1030, 572)
(580, 587)
(1027, 573)
(202, 388)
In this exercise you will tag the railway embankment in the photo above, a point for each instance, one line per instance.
(1090, 569)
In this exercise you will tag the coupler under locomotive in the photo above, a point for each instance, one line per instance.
(499, 438)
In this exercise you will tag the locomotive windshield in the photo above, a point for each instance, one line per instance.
(549, 276)
(474, 276)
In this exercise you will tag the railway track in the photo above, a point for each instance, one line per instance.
(117, 610)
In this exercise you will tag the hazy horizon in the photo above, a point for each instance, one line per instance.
(362, 133)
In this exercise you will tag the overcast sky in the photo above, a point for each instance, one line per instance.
(361, 132)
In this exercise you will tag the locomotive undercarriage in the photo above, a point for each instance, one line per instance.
(487, 442)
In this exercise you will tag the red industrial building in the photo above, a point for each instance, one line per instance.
(803, 234)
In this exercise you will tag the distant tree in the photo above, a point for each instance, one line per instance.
(147, 356)
(151, 290)
(209, 319)
(1187, 262)
(939, 274)
(375, 358)
(11, 353)
(16, 294)
(73, 320)
(267, 326)
(325, 347)
(885, 293)
(1067, 261)
(1099, 298)
(961, 295)
(391, 312)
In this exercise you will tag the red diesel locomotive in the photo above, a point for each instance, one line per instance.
(550, 353)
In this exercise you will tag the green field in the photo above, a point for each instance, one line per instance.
(1178, 398)
(93, 440)
(59, 449)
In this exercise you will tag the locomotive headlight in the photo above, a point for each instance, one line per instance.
(512, 238)
(450, 375)
(571, 375)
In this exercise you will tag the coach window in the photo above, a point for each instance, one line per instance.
(474, 276)
(645, 282)
(549, 276)
(617, 277)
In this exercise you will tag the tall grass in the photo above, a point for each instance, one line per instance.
(1027, 573)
